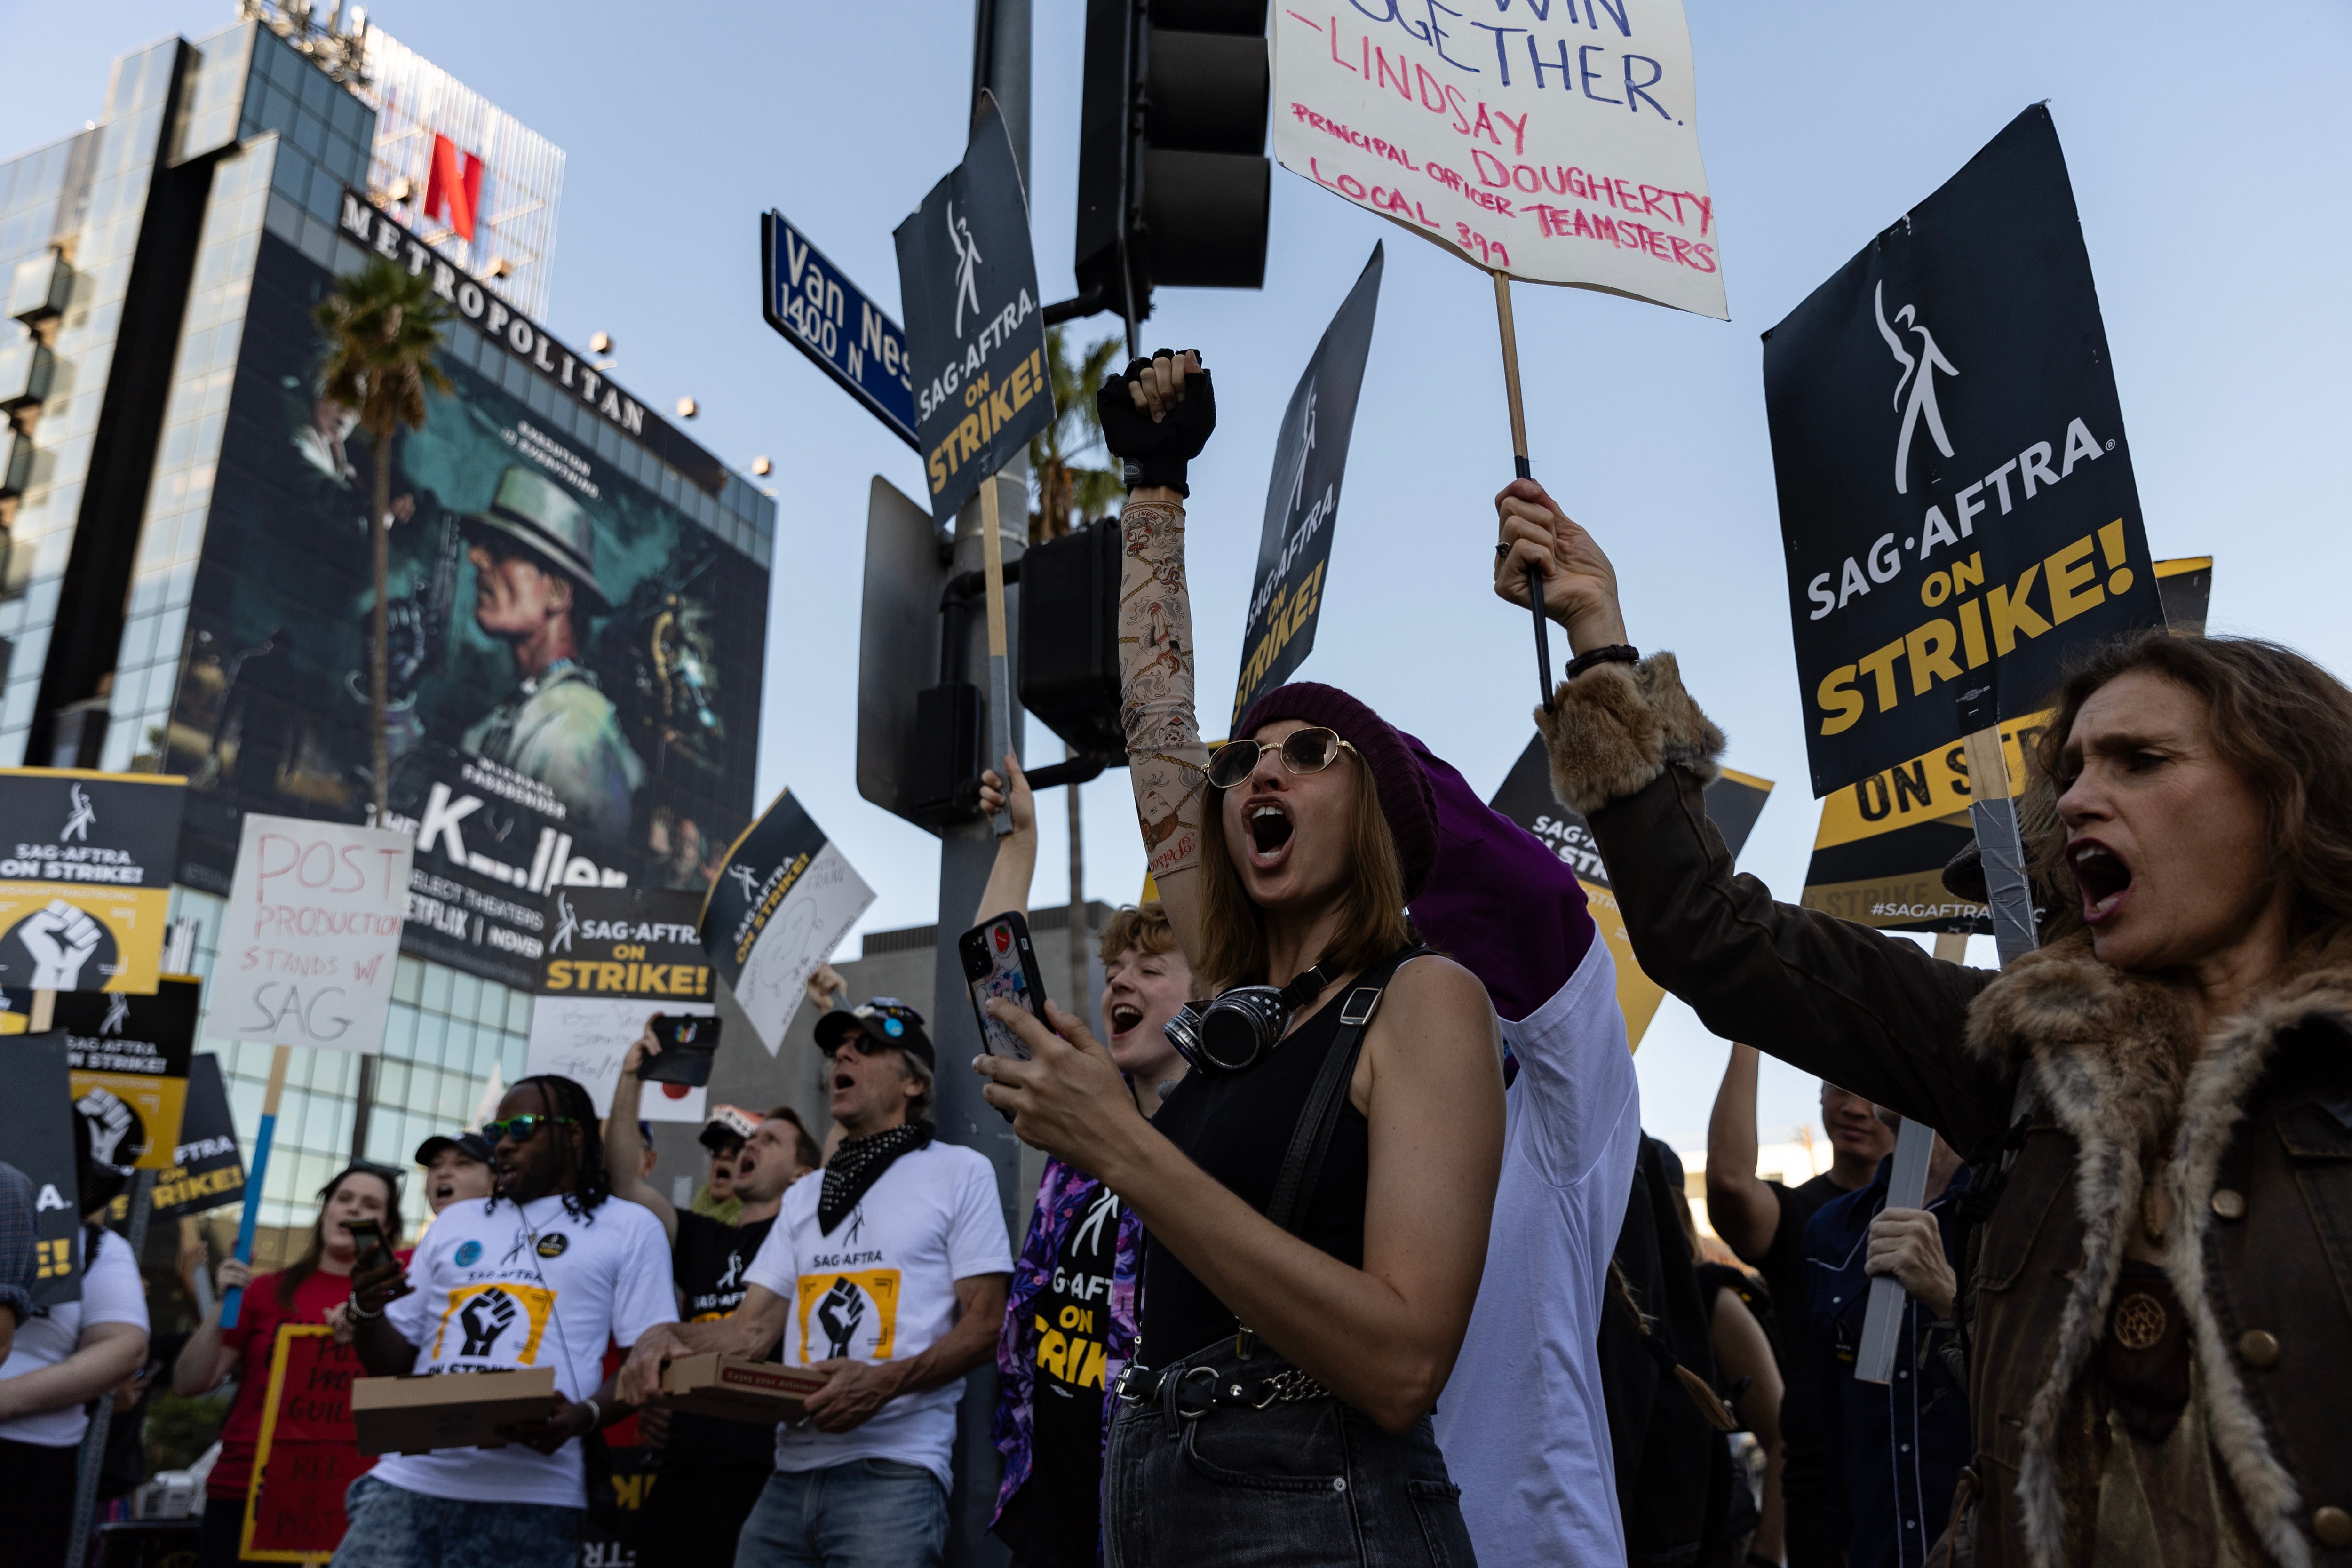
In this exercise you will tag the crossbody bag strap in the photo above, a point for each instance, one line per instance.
(1310, 1139)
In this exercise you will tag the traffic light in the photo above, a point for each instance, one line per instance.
(1069, 640)
(1172, 183)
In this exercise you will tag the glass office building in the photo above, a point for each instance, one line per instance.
(185, 579)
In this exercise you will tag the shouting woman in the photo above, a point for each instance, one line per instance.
(305, 1291)
(2161, 1095)
(1316, 1190)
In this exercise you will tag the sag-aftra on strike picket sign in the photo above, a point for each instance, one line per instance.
(1955, 489)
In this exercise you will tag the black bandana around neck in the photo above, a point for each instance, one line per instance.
(857, 1164)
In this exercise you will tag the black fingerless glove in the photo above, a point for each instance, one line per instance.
(1155, 452)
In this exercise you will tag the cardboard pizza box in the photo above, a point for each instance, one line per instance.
(415, 1414)
(736, 1388)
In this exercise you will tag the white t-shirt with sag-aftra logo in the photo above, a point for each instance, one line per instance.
(882, 1287)
(498, 1287)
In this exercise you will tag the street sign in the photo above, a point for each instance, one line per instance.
(825, 316)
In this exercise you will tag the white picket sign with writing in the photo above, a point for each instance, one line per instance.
(1551, 139)
(311, 934)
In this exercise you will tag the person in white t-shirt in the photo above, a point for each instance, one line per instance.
(887, 1269)
(61, 1360)
(544, 1272)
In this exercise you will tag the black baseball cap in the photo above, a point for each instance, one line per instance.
(887, 1022)
(472, 1146)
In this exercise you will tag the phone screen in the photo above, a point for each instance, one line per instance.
(367, 1236)
(997, 965)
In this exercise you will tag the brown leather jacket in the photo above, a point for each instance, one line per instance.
(2248, 1130)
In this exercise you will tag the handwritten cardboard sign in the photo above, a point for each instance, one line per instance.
(1734, 801)
(307, 1456)
(1956, 489)
(1302, 501)
(1556, 142)
(784, 900)
(310, 934)
(615, 956)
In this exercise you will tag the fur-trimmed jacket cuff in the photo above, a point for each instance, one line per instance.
(1619, 725)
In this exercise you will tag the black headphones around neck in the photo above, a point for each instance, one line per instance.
(1242, 1024)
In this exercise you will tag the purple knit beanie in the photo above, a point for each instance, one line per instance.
(1406, 800)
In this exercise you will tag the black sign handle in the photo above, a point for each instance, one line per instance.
(1519, 463)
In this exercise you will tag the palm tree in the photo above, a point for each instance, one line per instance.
(1063, 487)
(382, 327)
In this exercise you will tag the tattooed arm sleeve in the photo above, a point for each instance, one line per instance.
(1166, 764)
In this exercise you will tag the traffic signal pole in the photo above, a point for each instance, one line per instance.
(968, 850)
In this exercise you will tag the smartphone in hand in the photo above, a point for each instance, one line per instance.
(998, 962)
(367, 1236)
(689, 1044)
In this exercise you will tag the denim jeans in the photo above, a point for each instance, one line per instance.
(1309, 1483)
(392, 1527)
(861, 1513)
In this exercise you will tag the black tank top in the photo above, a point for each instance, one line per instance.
(1237, 1127)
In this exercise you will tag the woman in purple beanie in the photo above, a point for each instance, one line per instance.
(1318, 1189)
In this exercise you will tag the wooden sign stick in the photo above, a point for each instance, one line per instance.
(279, 1059)
(999, 699)
(43, 1014)
(1519, 463)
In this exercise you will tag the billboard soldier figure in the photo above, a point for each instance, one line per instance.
(534, 558)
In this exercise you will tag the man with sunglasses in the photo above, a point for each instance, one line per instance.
(888, 1271)
(544, 1273)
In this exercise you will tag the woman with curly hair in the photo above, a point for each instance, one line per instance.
(2161, 1094)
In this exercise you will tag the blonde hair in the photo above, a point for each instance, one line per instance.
(1143, 927)
(1372, 906)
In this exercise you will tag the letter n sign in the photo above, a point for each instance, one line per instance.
(453, 193)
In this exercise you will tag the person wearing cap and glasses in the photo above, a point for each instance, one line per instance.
(888, 1271)
(534, 558)
(456, 1167)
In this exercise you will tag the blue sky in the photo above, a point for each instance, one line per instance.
(2209, 160)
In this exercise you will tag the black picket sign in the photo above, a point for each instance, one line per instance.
(1956, 489)
(37, 1136)
(969, 280)
(1310, 458)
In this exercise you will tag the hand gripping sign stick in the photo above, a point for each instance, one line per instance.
(1994, 812)
(262, 1136)
(1520, 462)
(1000, 711)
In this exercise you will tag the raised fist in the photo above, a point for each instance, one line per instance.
(838, 1314)
(111, 1121)
(60, 938)
(1156, 416)
(485, 1318)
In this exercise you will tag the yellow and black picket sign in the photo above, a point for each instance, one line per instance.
(129, 1057)
(1879, 856)
(85, 869)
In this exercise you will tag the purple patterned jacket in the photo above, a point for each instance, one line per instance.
(1062, 1197)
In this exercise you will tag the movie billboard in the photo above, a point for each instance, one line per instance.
(575, 658)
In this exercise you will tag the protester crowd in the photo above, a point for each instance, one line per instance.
(1349, 1247)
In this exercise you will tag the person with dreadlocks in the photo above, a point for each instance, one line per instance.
(887, 1270)
(545, 1270)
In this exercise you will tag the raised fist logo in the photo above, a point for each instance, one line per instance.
(485, 1318)
(838, 1314)
(110, 1124)
(60, 938)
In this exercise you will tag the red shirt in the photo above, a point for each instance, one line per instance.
(255, 1337)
